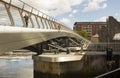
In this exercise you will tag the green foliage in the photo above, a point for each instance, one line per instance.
(82, 33)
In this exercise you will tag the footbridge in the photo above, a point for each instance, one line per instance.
(37, 32)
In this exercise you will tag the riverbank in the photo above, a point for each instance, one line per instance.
(17, 54)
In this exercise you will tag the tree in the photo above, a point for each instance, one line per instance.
(83, 33)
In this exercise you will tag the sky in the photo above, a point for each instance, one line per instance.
(71, 11)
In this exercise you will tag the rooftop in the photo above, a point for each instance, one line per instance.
(90, 23)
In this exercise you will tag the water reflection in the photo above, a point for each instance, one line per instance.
(16, 68)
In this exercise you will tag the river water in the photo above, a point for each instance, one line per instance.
(16, 67)
(22, 67)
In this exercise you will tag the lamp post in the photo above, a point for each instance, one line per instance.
(108, 39)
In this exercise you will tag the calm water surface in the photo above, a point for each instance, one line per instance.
(16, 67)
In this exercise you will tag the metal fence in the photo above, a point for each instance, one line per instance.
(12, 14)
(103, 46)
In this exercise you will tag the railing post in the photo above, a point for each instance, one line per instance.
(31, 18)
(50, 24)
(37, 20)
(53, 26)
(7, 6)
(41, 22)
(45, 22)
(21, 11)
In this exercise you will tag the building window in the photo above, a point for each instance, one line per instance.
(78, 28)
(87, 28)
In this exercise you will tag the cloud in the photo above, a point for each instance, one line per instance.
(117, 14)
(101, 19)
(65, 20)
(94, 5)
(53, 7)
(70, 15)
(73, 12)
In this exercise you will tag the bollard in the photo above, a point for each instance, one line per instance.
(109, 54)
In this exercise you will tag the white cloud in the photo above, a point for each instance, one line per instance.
(65, 20)
(104, 5)
(101, 19)
(73, 12)
(117, 14)
(70, 15)
(54, 7)
(94, 5)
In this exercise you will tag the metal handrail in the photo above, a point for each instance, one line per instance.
(103, 46)
(105, 74)
(38, 10)
(22, 9)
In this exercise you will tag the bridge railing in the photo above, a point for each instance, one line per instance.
(102, 46)
(12, 14)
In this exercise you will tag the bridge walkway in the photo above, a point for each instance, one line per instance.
(17, 33)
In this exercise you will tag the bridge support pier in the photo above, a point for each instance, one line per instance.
(46, 69)
(76, 66)
(54, 66)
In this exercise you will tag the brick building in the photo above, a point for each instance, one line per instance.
(90, 27)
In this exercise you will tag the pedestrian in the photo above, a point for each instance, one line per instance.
(26, 20)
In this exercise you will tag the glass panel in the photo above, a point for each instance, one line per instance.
(34, 21)
(4, 18)
(16, 16)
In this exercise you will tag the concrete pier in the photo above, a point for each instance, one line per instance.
(84, 65)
